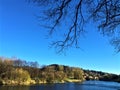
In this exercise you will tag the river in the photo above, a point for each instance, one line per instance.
(87, 85)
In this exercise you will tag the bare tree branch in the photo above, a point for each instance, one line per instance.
(105, 13)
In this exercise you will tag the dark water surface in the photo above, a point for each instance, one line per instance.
(87, 85)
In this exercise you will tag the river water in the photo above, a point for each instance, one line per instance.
(87, 85)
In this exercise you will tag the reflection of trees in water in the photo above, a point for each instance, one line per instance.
(14, 88)
(87, 85)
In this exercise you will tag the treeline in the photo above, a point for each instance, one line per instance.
(98, 75)
(21, 72)
(12, 71)
(16, 71)
(60, 73)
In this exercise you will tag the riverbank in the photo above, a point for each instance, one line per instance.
(101, 85)
(18, 72)
(33, 82)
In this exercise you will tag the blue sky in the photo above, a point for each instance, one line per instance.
(21, 36)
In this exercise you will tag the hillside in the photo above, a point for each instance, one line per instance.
(19, 72)
(99, 75)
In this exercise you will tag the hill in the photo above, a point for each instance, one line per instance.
(19, 72)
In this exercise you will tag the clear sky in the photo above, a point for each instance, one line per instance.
(21, 36)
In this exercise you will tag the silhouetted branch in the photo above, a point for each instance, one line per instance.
(116, 43)
(105, 13)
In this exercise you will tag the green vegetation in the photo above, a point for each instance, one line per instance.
(19, 72)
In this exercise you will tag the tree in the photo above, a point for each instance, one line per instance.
(60, 75)
(5, 65)
(78, 73)
(18, 75)
(75, 14)
(50, 77)
(18, 63)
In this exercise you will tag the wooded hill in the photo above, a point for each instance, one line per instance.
(20, 72)
(99, 75)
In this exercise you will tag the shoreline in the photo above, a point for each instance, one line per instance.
(32, 82)
(35, 83)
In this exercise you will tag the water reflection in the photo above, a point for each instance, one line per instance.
(14, 88)
(87, 85)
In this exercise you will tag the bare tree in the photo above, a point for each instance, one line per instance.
(75, 14)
